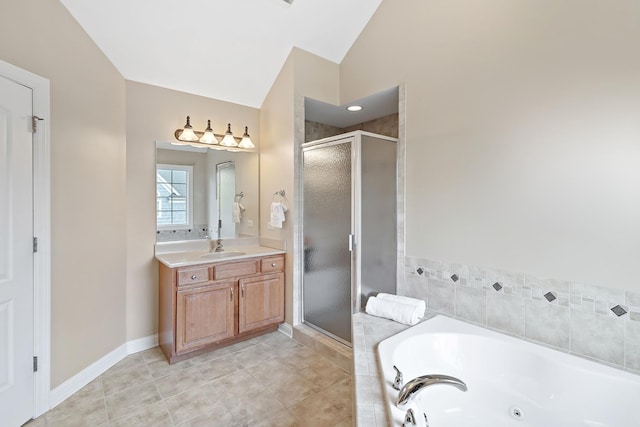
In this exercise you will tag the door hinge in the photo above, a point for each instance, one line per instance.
(34, 123)
(35, 245)
(35, 363)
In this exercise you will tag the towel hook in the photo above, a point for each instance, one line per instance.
(280, 193)
(239, 195)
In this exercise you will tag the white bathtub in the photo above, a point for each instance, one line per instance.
(505, 376)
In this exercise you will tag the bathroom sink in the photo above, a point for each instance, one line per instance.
(221, 255)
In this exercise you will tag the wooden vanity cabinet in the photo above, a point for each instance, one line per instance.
(209, 306)
(204, 315)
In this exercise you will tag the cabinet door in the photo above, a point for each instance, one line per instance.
(261, 301)
(204, 315)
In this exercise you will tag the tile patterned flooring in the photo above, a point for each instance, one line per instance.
(267, 381)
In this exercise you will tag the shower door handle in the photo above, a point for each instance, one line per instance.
(352, 242)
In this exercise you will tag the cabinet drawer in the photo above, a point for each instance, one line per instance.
(193, 275)
(269, 265)
(235, 269)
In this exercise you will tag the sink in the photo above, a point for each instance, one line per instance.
(221, 255)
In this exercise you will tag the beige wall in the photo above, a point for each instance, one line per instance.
(88, 241)
(153, 114)
(522, 131)
(303, 74)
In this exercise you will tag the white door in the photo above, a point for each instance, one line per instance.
(16, 254)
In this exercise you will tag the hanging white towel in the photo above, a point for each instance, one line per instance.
(408, 314)
(236, 212)
(277, 214)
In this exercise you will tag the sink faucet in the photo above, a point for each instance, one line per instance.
(413, 387)
(219, 247)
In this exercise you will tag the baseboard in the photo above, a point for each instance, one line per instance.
(84, 377)
(141, 344)
(286, 329)
(93, 371)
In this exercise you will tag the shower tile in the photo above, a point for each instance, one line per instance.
(505, 313)
(471, 304)
(560, 286)
(632, 298)
(632, 345)
(609, 296)
(441, 296)
(415, 287)
(597, 336)
(506, 277)
(547, 323)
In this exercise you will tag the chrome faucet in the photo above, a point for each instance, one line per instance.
(413, 387)
(219, 247)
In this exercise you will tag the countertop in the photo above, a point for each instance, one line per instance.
(199, 252)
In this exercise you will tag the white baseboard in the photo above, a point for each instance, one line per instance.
(141, 344)
(286, 329)
(93, 371)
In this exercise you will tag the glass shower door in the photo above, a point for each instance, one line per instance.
(327, 224)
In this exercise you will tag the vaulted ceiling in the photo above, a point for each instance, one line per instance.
(230, 50)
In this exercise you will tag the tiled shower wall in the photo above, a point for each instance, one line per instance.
(599, 323)
(387, 125)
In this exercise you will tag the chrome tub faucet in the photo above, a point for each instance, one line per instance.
(411, 389)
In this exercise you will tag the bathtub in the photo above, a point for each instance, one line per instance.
(511, 382)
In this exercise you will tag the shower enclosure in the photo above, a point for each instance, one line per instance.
(349, 227)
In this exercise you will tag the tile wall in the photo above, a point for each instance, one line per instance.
(602, 324)
(199, 231)
(387, 125)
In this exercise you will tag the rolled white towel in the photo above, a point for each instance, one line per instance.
(408, 314)
(405, 300)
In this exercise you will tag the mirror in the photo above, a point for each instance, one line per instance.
(198, 189)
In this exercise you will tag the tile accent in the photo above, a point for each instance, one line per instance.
(618, 310)
(199, 231)
(599, 323)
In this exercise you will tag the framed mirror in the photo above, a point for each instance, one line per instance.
(203, 193)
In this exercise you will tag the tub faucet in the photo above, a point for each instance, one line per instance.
(413, 387)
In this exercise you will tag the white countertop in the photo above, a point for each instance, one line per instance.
(181, 254)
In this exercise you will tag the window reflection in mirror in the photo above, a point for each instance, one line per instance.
(191, 210)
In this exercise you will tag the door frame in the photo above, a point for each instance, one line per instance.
(41, 229)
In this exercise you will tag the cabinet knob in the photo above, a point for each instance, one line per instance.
(273, 264)
(194, 277)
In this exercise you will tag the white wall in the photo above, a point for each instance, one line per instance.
(523, 138)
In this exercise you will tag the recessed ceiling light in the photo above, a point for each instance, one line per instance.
(354, 108)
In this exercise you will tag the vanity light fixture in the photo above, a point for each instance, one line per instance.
(354, 108)
(208, 139)
(246, 140)
(187, 133)
(229, 140)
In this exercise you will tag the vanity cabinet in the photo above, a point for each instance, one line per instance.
(209, 306)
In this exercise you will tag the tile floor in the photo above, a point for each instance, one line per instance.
(267, 381)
